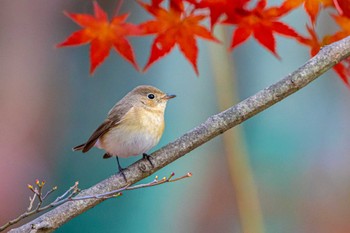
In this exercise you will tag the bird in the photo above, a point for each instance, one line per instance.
(133, 126)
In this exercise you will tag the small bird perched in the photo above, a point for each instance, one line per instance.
(133, 126)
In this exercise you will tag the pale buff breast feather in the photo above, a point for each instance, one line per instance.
(141, 129)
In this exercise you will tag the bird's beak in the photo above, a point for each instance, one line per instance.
(168, 97)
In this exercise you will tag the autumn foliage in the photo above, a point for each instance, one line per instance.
(182, 22)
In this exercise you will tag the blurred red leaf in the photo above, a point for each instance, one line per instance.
(103, 35)
(261, 22)
(343, 70)
(343, 7)
(218, 8)
(312, 7)
(344, 24)
(174, 27)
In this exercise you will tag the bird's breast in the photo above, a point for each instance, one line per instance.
(139, 131)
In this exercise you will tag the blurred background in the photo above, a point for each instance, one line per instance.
(284, 170)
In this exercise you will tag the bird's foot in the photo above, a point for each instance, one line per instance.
(121, 170)
(148, 157)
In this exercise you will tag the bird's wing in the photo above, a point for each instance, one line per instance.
(115, 117)
(102, 129)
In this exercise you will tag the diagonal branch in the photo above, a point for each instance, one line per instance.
(212, 127)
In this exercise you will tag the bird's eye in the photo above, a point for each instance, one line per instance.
(150, 96)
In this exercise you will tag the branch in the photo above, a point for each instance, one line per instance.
(217, 124)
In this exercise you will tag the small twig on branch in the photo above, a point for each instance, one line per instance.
(38, 194)
(70, 194)
(116, 193)
(31, 201)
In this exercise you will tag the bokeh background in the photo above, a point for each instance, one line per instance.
(285, 170)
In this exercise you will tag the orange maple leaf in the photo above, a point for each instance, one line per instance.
(344, 24)
(262, 23)
(312, 7)
(103, 35)
(174, 27)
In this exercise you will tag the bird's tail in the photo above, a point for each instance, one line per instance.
(80, 147)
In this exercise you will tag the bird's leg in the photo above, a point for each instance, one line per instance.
(148, 157)
(121, 169)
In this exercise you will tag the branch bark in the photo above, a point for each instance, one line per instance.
(217, 124)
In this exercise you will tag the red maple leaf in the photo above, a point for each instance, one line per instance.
(262, 23)
(103, 35)
(174, 27)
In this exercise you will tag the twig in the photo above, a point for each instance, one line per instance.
(73, 189)
(31, 201)
(37, 195)
(70, 194)
(117, 192)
